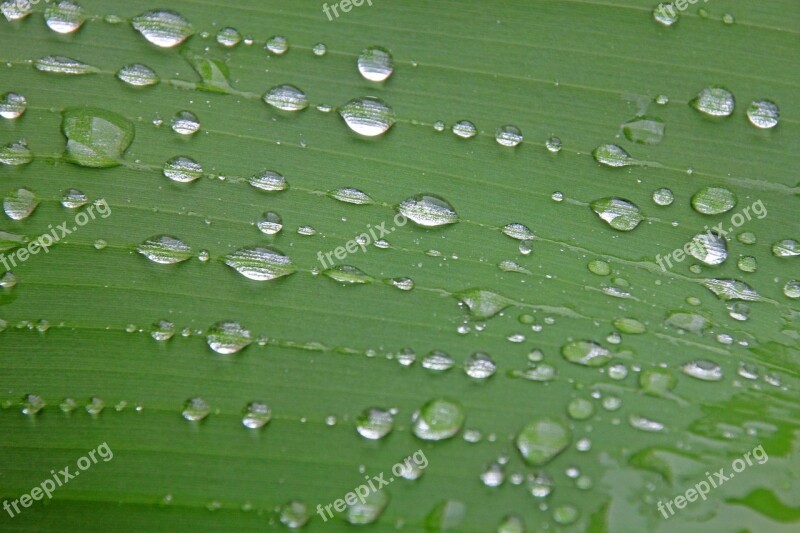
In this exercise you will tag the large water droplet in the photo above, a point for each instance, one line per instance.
(732, 289)
(15, 10)
(185, 123)
(269, 181)
(95, 137)
(260, 263)
(16, 153)
(479, 365)
(182, 169)
(138, 75)
(438, 419)
(165, 250)
(163, 27)
(228, 337)
(351, 196)
(786, 248)
(541, 440)
(19, 204)
(12, 105)
(375, 63)
(703, 369)
(428, 210)
(518, 231)
(792, 289)
(286, 98)
(621, 214)
(64, 65)
(612, 155)
(763, 114)
(508, 136)
(374, 423)
(368, 116)
(714, 101)
(709, 248)
(713, 200)
(65, 16)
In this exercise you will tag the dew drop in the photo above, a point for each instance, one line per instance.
(786, 248)
(65, 16)
(368, 510)
(792, 289)
(509, 136)
(163, 27)
(732, 289)
(518, 231)
(763, 114)
(268, 181)
(374, 423)
(428, 210)
(612, 155)
(368, 116)
(15, 153)
(666, 14)
(586, 353)
(294, 514)
(15, 10)
(644, 130)
(64, 65)
(703, 369)
(32, 404)
(663, 197)
(540, 485)
(714, 101)
(229, 37)
(260, 263)
(553, 144)
(482, 304)
(437, 361)
(438, 419)
(351, 196)
(620, 214)
(165, 250)
(228, 337)
(95, 137)
(494, 475)
(19, 204)
(277, 44)
(163, 330)
(464, 129)
(542, 439)
(256, 415)
(195, 409)
(12, 105)
(404, 284)
(185, 123)
(375, 63)
(348, 275)
(713, 200)
(95, 406)
(286, 98)
(270, 223)
(479, 365)
(138, 75)
(182, 169)
(319, 49)
(747, 263)
(709, 248)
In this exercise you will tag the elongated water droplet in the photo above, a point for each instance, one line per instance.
(374, 423)
(165, 250)
(348, 275)
(763, 114)
(95, 137)
(482, 304)
(586, 353)
(404, 284)
(464, 129)
(375, 63)
(12, 105)
(195, 409)
(256, 415)
(612, 155)
(368, 116)
(260, 263)
(269, 181)
(182, 169)
(438, 419)
(703, 369)
(438, 361)
(543, 439)
(351, 196)
(185, 123)
(644, 130)
(508, 136)
(286, 98)
(73, 199)
(518, 231)
(732, 289)
(270, 223)
(786, 248)
(15, 154)
(709, 248)
(620, 214)
(65, 16)
(163, 27)
(64, 65)
(277, 44)
(138, 75)
(714, 101)
(713, 200)
(228, 337)
(428, 210)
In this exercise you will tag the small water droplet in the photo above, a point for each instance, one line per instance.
(351, 195)
(464, 129)
(185, 123)
(619, 213)
(494, 475)
(195, 409)
(479, 365)
(375, 63)
(518, 231)
(404, 284)
(256, 415)
(319, 49)
(269, 181)
(612, 155)
(95, 406)
(703, 369)
(368, 510)
(229, 37)
(714, 101)
(19, 204)
(348, 275)
(294, 514)
(540, 485)
(709, 248)
(553, 144)
(542, 439)
(747, 263)
(666, 14)
(587, 353)
(270, 223)
(228, 337)
(138, 75)
(786, 248)
(277, 44)
(792, 289)
(644, 130)
(663, 196)
(32, 404)
(763, 114)
(163, 330)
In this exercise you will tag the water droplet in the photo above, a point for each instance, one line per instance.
(195, 409)
(464, 129)
(182, 169)
(286, 98)
(163, 330)
(32, 404)
(644, 130)
(439, 125)
(319, 49)
(612, 155)
(619, 213)
(277, 44)
(270, 223)
(508, 136)
(95, 137)
(375, 63)
(12, 105)
(163, 27)
(64, 65)
(15, 154)
(256, 415)
(347, 274)
(19, 204)
(7, 281)
(511, 266)
(229, 37)
(138, 75)
(713, 200)
(374, 423)
(565, 514)
(494, 475)
(406, 357)
(732, 289)
(438, 361)
(15, 10)
(479, 365)
(747, 263)
(260, 263)
(185, 123)
(763, 114)
(792, 289)
(511, 524)
(747, 237)
(482, 304)
(228, 337)
(368, 116)
(165, 250)
(65, 16)
(540, 372)
(438, 419)
(542, 439)
(709, 248)
(269, 181)
(714, 101)
(540, 485)
(727, 18)
(95, 406)
(294, 514)
(518, 231)
(703, 369)
(351, 196)
(368, 510)
(630, 326)
(598, 267)
(663, 197)
(404, 284)
(657, 381)
(587, 353)
(428, 210)
(553, 144)
(666, 14)
(644, 424)
(786, 248)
